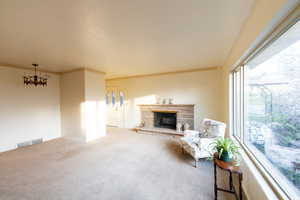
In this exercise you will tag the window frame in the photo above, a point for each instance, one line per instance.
(238, 135)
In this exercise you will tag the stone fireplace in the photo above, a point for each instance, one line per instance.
(166, 116)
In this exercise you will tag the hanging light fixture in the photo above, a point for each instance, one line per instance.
(35, 80)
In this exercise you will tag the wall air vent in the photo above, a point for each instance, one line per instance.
(37, 141)
(31, 142)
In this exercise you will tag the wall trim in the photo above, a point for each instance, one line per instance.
(109, 79)
(165, 73)
(28, 68)
(51, 72)
(245, 192)
(81, 69)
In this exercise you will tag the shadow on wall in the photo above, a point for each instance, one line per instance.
(128, 115)
(150, 99)
(93, 121)
(136, 114)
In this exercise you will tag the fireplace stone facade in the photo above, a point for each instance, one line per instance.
(184, 113)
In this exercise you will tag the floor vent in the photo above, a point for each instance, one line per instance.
(31, 142)
(37, 141)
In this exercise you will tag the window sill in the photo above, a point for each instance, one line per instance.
(257, 183)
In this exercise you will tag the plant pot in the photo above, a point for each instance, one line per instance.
(226, 157)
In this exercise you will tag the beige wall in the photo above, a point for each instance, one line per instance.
(94, 106)
(201, 88)
(83, 105)
(72, 95)
(71, 105)
(265, 16)
(27, 113)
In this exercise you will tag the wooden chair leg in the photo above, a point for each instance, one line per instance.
(215, 185)
(196, 163)
(240, 185)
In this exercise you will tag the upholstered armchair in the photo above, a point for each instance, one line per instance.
(198, 143)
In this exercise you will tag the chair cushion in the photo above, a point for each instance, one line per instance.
(191, 133)
(213, 131)
(189, 140)
(212, 128)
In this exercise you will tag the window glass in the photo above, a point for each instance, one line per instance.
(107, 98)
(113, 98)
(122, 98)
(272, 109)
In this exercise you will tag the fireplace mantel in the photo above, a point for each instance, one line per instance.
(166, 105)
(165, 111)
(184, 112)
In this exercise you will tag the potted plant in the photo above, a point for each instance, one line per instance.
(225, 149)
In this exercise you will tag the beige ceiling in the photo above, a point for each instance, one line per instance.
(121, 38)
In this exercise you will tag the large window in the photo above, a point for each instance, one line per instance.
(266, 109)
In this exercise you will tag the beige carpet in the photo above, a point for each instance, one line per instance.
(121, 166)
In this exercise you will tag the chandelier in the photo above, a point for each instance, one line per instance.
(35, 80)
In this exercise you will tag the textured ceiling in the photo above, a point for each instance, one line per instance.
(121, 38)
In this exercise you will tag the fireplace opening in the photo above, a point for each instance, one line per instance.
(165, 120)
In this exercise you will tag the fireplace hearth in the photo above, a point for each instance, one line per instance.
(165, 120)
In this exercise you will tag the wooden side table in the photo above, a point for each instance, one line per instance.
(232, 170)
